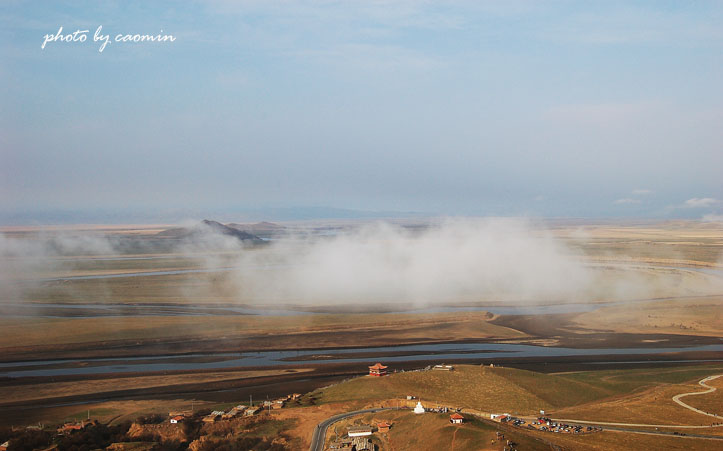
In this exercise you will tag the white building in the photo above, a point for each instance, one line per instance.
(359, 431)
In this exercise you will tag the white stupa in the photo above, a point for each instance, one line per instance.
(419, 408)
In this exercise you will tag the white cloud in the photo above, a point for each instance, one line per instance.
(627, 200)
(702, 202)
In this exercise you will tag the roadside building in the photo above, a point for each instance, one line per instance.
(359, 431)
(378, 370)
(443, 367)
(419, 408)
(456, 418)
(383, 426)
(177, 419)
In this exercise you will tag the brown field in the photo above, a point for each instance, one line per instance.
(696, 316)
(25, 336)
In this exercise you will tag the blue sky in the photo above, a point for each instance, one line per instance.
(597, 109)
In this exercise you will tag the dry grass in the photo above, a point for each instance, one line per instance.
(701, 316)
(388, 327)
(472, 387)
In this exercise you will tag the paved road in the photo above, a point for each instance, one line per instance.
(317, 440)
(702, 382)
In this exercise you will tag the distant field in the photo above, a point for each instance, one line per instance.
(694, 316)
(27, 392)
(319, 330)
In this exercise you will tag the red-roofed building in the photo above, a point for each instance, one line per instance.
(456, 418)
(383, 426)
(177, 419)
(378, 370)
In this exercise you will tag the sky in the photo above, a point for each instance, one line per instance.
(514, 108)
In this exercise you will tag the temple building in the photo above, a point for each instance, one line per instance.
(378, 370)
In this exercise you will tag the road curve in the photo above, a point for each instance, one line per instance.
(702, 382)
(319, 437)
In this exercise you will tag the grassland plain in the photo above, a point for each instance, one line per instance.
(692, 316)
(317, 330)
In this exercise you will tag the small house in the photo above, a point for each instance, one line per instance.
(443, 367)
(252, 411)
(177, 419)
(383, 426)
(456, 418)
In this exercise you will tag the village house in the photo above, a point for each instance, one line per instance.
(296, 396)
(359, 431)
(383, 426)
(234, 412)
(177, 419)
(71, 427)
(378, 370)
(251, 411)
(456, 418)
(213, 416)
(443, 367)
(343, 443)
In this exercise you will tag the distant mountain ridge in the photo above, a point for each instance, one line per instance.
(206, 225)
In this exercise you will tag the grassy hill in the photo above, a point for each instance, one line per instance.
(508, 389)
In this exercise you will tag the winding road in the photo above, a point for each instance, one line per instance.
(702, 382)
(319, 437)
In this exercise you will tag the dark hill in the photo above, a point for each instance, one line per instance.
(204, 227)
